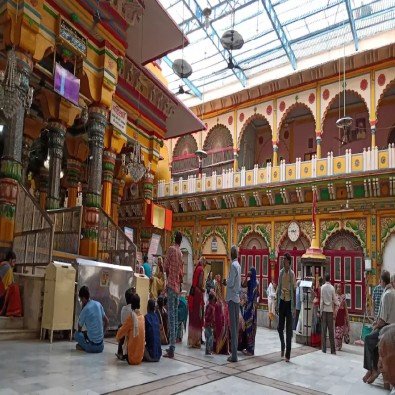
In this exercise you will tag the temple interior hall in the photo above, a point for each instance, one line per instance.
(261, 131)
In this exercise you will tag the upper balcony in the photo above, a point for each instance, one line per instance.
(270, 184)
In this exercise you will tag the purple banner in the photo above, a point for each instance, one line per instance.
(66, 84)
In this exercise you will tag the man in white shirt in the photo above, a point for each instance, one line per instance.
(328, 300)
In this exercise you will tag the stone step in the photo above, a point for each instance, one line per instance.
(11, 323)
(18, 334)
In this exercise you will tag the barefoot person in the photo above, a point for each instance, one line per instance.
(134, 330)
(286, 305)
(233, 284)
(386, 316)
(174, 268)
(327, 303)
(94, 319)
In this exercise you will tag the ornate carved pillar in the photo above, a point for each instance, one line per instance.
(56, 137)
(318, 137)
(108, 177)
(26, 147)
(11, 161)
(96, 128)
(117, 193)
(73, 173)
(43, 186)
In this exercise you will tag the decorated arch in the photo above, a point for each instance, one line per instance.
(255, 142)
(336, 99)
(186, 144)
(343, 240)
(218, 137)
(290, 109)
(296, 134)
(385, 127)
(357, 136)
(184, 161)
(219, 148)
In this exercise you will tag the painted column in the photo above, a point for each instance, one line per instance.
(117, 193)
(56, 136)
(96, 128)
(372, 109)
(11, 161)
(108, 177)
(373, 130)
(26, 148)
(318, 136)
(275, 153)
(73, 173)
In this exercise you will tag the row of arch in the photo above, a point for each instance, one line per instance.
(296, 135)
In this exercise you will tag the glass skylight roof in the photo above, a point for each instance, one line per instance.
(310, 27)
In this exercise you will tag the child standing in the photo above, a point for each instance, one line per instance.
(209, 322)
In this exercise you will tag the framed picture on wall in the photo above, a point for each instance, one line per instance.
(360, 127)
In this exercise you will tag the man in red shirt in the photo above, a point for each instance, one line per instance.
(173, 266)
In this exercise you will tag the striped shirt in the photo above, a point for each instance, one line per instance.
(174, 268)
(377, 294)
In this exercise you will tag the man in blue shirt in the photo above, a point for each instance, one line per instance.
(94, 319)
(147, 267)
(233, 284)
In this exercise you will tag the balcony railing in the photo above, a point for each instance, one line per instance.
(369, 160)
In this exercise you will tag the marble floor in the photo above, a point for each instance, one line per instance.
(35, 367)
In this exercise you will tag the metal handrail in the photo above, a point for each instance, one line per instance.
(67, 235)
(33, 236)
(114, 248)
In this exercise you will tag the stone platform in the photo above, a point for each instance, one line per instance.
(31, 366)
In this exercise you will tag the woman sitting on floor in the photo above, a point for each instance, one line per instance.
(153, 350)
(10, 298)
(134, 329)
(163, 318)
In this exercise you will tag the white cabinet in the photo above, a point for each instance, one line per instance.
(59, 291)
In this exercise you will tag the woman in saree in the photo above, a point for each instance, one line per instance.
(250, 313)
(158, 280)
(10, 298)
(221, 328)
(342, 325)
(196, 306)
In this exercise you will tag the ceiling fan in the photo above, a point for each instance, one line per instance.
(231, 65)
(182, 91)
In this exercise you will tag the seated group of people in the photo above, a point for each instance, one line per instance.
(139, 337)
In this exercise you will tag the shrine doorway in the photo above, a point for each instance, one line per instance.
(294, 248)
(254, 252)
(347, 266)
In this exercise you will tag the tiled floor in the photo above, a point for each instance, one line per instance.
(40, 368)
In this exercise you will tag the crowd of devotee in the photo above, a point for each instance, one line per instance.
(221, 314)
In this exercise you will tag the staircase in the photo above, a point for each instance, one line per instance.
(39, 238)
(113, 244)
(12, 329)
